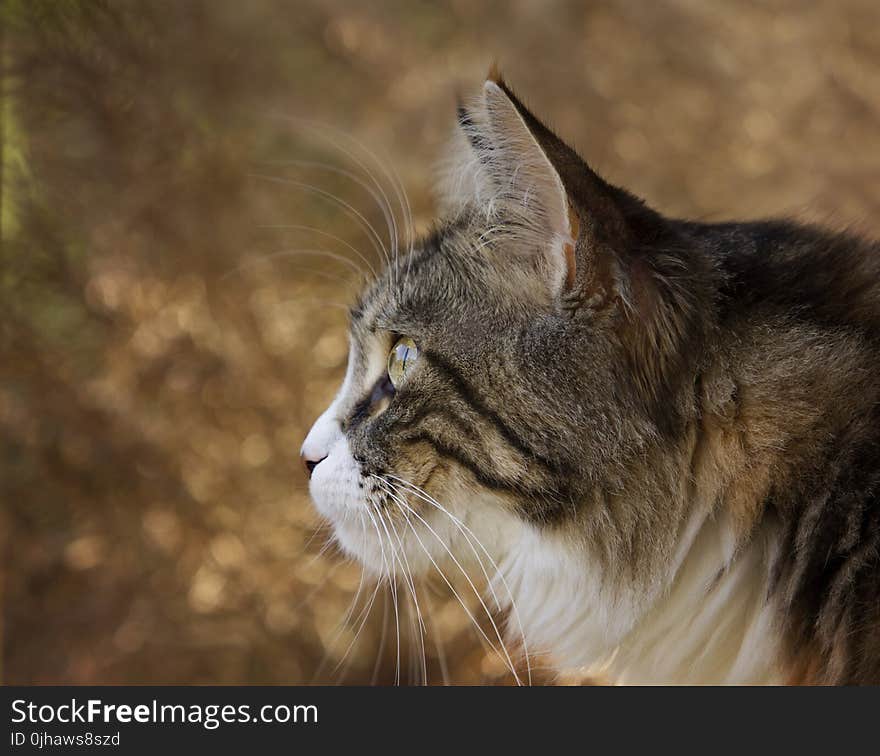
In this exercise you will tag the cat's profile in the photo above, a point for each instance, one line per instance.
(659, 438)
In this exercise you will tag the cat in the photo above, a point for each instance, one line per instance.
(659, 438)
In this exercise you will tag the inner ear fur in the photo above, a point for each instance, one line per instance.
(603, 251)
(530, 194)
(591, 221)
(624, 257)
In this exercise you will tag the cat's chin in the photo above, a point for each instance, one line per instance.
(386, 550)
(361, 545)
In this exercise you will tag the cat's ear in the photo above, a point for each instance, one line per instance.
(551, 207)
(529, 187)
(600, 248)
(502, 169)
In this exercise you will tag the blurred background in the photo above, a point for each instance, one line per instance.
(164, 348)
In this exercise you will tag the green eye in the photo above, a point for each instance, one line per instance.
(401, 359)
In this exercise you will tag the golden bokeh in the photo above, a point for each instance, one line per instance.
(170, 328)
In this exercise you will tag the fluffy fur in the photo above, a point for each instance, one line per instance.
(661, 435)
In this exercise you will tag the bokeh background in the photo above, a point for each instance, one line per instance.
(163, 349)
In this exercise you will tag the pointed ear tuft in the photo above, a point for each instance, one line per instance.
(541, 201)
(467, 125)
(530, 195)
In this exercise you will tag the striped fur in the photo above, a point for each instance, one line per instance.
(665, 433)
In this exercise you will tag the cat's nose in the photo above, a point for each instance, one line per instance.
(320, 440)
(311, 463)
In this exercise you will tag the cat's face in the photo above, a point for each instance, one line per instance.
(490, 377)
(453, 399)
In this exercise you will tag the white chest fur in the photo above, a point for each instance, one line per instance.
(706, 620)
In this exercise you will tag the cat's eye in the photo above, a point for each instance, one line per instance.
(401, 360)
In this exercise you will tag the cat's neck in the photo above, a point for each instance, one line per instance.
(705, 619)
(713, 623)
(662, 605)
(625, 592)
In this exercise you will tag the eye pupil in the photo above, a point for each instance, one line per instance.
(400, 359)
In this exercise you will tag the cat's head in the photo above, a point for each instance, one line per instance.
(514, 361)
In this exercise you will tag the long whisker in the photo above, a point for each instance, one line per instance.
(295, 252)
(350, 611)
(321, 527)
(476, 625)
(380, 198)
(469, 534)
(365, 613)
(318, 586)
(357, 594)
(382, 637)
(328, 544)
(505, 655)
(326, 275)
(360, 621)
(349, 209)
(326, 235)
(407, 573)
(341, 625)
(322, 131)
(438, 643)
(393, 587)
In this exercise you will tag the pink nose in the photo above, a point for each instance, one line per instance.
(310, 463)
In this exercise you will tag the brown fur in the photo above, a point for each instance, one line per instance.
(611, 376)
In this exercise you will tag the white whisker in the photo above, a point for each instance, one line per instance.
(341, 625)
(438, 643)
(405, 568)
(381, 650)
(391, 570)
(311, 594)
(469, 534)
(377, 194)
(323, 131)
(505, 655)
(326, 235)
(295, 252)
(349, 209)
(365, 613)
